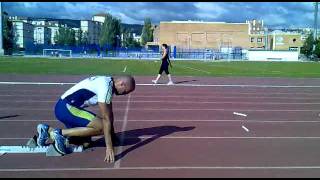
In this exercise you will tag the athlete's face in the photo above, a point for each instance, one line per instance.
(121, 88)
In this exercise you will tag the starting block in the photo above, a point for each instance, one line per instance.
(31, 147)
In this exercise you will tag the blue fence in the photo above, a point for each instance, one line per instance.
(139, 53)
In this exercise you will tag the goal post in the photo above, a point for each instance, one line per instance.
(57, 52)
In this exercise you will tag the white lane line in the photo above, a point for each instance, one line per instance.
(169, 101)
(202, 137)
(246, 129)
(180, 109)
(174, 120)
(157, 168)
(124, 125)
(187, 94)
(188, 85)
(176, 96)
(125, 68)
(240, 114)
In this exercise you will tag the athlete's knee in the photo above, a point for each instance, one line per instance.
(96, 124)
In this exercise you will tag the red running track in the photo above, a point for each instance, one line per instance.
(175, 131)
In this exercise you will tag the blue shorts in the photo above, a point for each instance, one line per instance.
(72, 116)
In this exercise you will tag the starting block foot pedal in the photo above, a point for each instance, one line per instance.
(51, 151)
(32, 142)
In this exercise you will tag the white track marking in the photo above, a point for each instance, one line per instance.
(159, 168)
(188, 85)
(187, 94)
(179, 96)
(174, 120)
(240, 114)
(161, 101)
(124, 125)
(246, 129)
(125, 68)
(206, 137)
(182, 109)
(199, 98)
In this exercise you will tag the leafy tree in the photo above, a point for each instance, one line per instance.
(317, 49)
(65, 36)
(9, 41)
(307, 47)
(128, 40)
(110, 33)
(79, 37)
(147, 32)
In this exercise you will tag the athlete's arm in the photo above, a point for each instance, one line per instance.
(164, 54)
(107, 119)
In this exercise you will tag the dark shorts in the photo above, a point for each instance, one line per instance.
(164, 67)
(72, 116)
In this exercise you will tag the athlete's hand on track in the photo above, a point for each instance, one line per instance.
(109, 155)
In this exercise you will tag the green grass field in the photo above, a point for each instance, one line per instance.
(22, 65)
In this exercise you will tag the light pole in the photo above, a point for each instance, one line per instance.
(1, 36)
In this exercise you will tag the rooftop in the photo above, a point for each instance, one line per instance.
(199, 22)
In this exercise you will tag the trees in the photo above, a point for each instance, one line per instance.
(9, 41)
(66, 37)
(306, 49)
(128, 40)
(147, 32)
(110, 33)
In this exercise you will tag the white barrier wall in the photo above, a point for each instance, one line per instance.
(273, 55)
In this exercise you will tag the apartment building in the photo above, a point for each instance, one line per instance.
(23, 33)
(92, 30)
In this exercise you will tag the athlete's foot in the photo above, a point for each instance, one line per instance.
(60, 142)
(43, 134)
(154, 81)
(170, 83)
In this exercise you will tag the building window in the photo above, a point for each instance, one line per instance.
(259, 40)
(252, 39)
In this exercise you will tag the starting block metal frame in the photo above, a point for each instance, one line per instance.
(32, 147)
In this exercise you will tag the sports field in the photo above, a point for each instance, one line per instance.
(20, 65)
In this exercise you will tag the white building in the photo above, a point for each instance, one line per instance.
(256, 26)
(54, 32)
(99, 17)
(137, 37)
(42, 35)
(23, 33)
(77, 31)
(54, 27)
(39, 22)
(92, 29)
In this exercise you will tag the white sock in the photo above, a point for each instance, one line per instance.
(158, 77)
(169, 77)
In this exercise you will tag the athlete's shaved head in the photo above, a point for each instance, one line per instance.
(124, 84)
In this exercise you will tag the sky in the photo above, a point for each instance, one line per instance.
(274, 14)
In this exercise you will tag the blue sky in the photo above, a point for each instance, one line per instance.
(274, 14)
